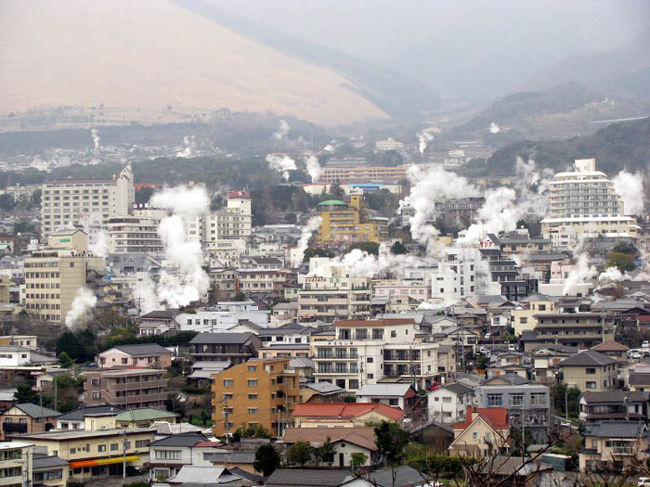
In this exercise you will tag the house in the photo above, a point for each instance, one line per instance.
(589, 371)
(27, 418)
(157, 322)
(45, 380)
(207, 475)
(402, 396)
(49, 471)
(545, 360)
(320, 392)
(345, 442)
(327, 415)
(484, 430)
(448, 403)
(144, 417)
(94, 454)
(145, 355)
(202, 372)
(613, 349)
(75, 420)
(169, 454)
(308, 477)
(530, 403)
(235, 461)
(260, 392)
(126, 388)
(613, 445)
(402, 476)
(614, 405)
(235, 348)
(639, 378)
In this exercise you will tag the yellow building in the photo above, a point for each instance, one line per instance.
(94, 454)
(349, 222)
(260, 392)
(523, 318)
(53, 275)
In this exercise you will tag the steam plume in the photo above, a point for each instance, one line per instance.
(312, 225)
(96, 139)
(282, 131)
(313, 168)
(189, 283)
(630, 188)
(494, 128)
(84, 301)
(423, 140)
(281, 163)
(581, 273)
(187, 150)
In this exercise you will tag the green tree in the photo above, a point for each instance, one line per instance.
(267, 459)
(80, 345)
(325, 452)
(7, 202)
(624, 262)
(370, 247)
(398, 248)
(300, 452)
(64, 359)
(24, 393)
(561, 394)
(390, 440)
(239, 297)
(358, 460)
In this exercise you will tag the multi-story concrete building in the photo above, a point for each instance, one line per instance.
(366, 351)
(583, 203)
(133, 233)
(232, 222)
(349, 222)
(530, 403)
(260, 392)
(54, 274)
(126, 388)
(584, 330)
(334, 295)
(15, 463)
(224, 347)
(362, 174)
(85, 201)
(590, 371)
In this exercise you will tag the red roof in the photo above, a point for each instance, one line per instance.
(495, 417)
(345, 410)
(209, 444)
(643, 317)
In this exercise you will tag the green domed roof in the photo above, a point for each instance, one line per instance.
(332, 203)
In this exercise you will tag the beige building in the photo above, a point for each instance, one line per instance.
(85, 201)
(614, 445)
(333, 296)
(134, 233)
(15, 463)
(583, 330)
(523, 317)
(126, 388)
(483, 431)
(583, 203)
(54, 274)
(590, 371)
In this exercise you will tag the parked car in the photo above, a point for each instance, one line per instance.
(512, 347)
(643, 482)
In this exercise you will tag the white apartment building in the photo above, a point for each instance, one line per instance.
(449, 402)
(366, 351)
(85, 202)
(16, 463)
(133, 233)
(461, 273)
(583, 202)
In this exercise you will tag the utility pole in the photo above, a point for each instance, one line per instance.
(124, 456)
(226, 412)
(56, 395)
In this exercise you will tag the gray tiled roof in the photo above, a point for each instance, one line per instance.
(222, 338)
(615, 396)
(78, 414)
(144, 349)
(587, 358)
(457, 388)
(48, 462)
(307, 477)
(617, 429)
(35, 411)
(186, 439)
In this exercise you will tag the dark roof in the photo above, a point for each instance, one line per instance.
(79, 413)
(307, 477)
(168, 314)
(511, 378)
(615, 396)
(405, 476)
(144, 349)
(222, 338)
(246, 475)
(230, 457)
(637, 378)
(587, 358)
(35, 411)
(457, 388)
(48, 462)
(186, 439)
(617, 429)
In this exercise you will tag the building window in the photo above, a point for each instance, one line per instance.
(95, 382)
(115, 446)
(369, 360)
(252, 410)
(252, 382)
(101, 448)
(95, 394)
(516, 399)
(591, 385)
(252, 368)
(590, 370)
(252, 397)
(494, 400)
(227, 382)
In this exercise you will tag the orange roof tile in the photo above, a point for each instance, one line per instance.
(363, 436)
(495, 417)
(345, 410)
(610, 346)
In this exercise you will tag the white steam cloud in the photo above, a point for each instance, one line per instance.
(313, 168)
(281, 163)
(494, 128)
(96, 139)
(282, 131)
(188, 147)
(83, 302)
(630, 188)
(582, 271)
(611, 274)
(98, 244)
(312, 225)
(188, 282)
(424, 138)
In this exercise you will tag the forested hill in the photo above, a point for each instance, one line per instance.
(624, 145)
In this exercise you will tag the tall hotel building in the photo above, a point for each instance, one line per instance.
(86, 202)
(583, 202)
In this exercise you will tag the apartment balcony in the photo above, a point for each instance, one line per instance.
(135, 399)
(137, 386)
